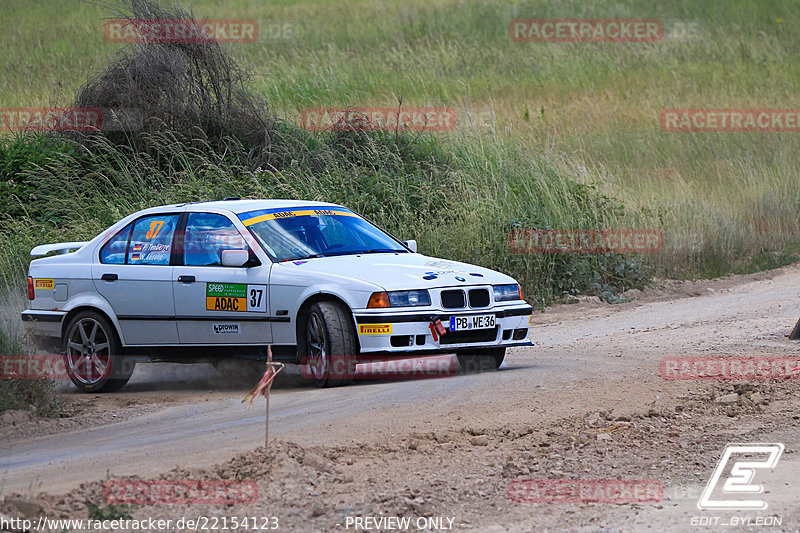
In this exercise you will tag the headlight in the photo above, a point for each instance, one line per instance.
(399, 299)
(506, 293)
(409, 298)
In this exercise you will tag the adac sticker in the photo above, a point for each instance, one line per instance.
(43, 284)
(530, 320)
(375, 329)
(236, 297)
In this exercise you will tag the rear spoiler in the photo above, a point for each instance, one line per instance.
(59, 247)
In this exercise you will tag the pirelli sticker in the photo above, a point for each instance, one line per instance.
(255, 217)
(375, 329)
(43, 284)
(236, 297)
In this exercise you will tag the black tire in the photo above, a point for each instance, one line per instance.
(328, 345)
(481, 360)
(93, 354)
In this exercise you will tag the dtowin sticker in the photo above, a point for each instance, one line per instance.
(226, 329)
(236, 297)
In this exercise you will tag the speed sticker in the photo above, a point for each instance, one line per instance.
(236, 297)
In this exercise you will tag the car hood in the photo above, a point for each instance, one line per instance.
(400, 271)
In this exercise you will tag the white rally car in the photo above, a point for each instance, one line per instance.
(319, 283)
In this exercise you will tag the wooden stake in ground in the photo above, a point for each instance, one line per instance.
(795, 334)
(263, 387)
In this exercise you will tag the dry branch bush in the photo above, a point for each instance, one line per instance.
(194, 89)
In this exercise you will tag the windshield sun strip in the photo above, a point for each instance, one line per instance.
(286, 213)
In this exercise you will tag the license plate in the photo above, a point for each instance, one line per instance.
(464, 323)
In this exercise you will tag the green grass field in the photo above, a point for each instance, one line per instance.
(727, 202)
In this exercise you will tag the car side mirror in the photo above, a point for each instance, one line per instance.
(235, 258)
(411, 245)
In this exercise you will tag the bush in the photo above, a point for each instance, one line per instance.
(196, 89)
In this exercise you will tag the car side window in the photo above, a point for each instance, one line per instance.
(113, 252)
(207, 235)
(151, 240)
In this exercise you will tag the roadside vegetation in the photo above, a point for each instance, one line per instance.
(549, 135)
(206, 135)
(35, 397)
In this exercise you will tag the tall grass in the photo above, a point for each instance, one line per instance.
(14, 341)
(459, 199)
(727, 202)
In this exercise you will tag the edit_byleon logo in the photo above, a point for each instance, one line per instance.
(731, 485)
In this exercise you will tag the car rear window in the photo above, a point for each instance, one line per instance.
(113, 252)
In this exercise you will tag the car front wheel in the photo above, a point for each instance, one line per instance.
(329, 345)
(92, 353)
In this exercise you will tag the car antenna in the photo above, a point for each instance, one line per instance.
(231, 198)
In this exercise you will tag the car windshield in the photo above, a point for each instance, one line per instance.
(306, 232)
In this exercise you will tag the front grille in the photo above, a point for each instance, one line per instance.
(475, 335)
(479, 298)
(453, 299)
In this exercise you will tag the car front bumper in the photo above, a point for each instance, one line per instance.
(411, 332)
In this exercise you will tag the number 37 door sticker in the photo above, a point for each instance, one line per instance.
(236, 297)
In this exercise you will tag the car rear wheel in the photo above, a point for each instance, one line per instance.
(329, 345)
(481, 360)
(92, 353)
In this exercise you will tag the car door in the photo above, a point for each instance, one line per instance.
(135, 276)
(215, 304)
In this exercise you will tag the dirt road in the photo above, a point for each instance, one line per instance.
(586, 402)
